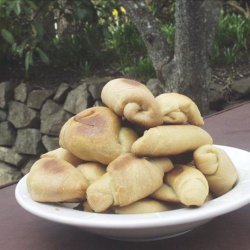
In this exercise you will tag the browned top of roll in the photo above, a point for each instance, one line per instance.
(92, 135)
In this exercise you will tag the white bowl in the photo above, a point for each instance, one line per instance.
(147, 226)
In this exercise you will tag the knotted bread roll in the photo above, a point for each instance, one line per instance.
(127, 180)
(55, 180)
(96, 134)
(143, 206)
(217, 167)
(133, 100)
(179, 109)
(189, 184)
(170, 140)
(63, 154)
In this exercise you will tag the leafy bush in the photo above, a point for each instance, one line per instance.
(126, 43)
(142, 68)
(34, 31)
(232, 40)
(22, 30)
(87, 34)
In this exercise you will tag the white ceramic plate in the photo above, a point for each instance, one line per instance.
(147, 226)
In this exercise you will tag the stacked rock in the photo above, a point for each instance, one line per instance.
(31, 119)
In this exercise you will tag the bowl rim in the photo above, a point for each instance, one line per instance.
(238, 197)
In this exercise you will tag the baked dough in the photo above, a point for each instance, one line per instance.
(189, 184)
(133, 100)
(217, 167)
(96, 134)
(166, 193)
(168, 140)
(143, 206)
(63, 154)
(55, 180)
(179, 109)
(127, 180)
(92, 171)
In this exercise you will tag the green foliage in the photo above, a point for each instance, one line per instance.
(169, 32)
(93, 33)
(28, 32)
(163, 10)
(129, 50)
(21, 31)
(125, 41)
(141, 68)
(8, 37)
(232, 40)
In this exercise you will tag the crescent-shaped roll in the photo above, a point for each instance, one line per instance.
(166, 193)
(179, 109)
(189, 184)
(55, 180)
(217, 167)
(143, 206)
(92, 171)
(133, 100)
(63, 154)
(170, 140)
(127, 180)
(96, 134)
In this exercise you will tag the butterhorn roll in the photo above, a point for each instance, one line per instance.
(170, 140)
(55, 180)
(96, 134)
(189, 184)
(166, 193)
(179, 109)
(143, 206)
(133, 100)
(63, 154)
(127, 180)
(92, 171)
(217, 167)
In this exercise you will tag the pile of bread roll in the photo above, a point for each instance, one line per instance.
(136, 154)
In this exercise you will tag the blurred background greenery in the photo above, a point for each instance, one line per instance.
(89, 36)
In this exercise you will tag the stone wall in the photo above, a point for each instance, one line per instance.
(31, 119)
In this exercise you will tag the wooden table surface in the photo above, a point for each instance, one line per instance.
(23, 231)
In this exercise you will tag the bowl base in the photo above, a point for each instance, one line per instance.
(163, 237)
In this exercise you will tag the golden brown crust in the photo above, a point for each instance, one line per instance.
(63, 154)
(143, 206)
(170, 140)
(179, 109)
(133, 100)
(166, 193)
(217, 167)
(93, 122)
(127, 180)
(92, 171)
(126, 138)
(189, 184)
(93, 135)
(55, 180)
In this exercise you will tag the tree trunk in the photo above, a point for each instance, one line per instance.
(156, 44)
(189, 71)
